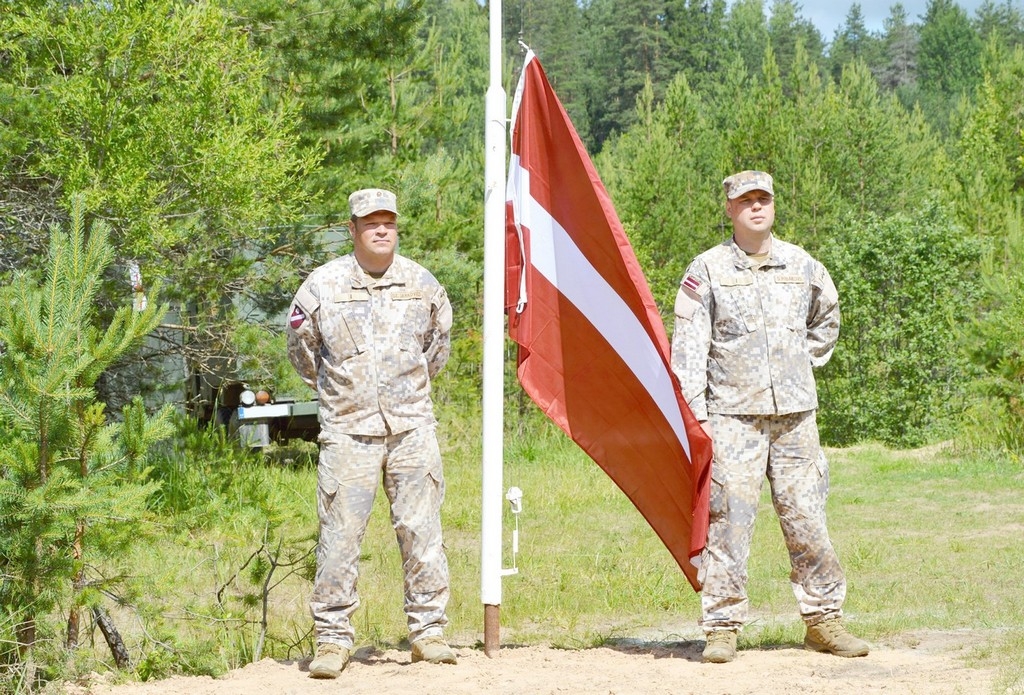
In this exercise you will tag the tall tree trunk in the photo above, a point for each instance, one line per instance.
(392, 89)
(26, 634)
(71, 641)
(74, 615)
(26, 628)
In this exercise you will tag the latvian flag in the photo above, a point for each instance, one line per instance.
(593, 353)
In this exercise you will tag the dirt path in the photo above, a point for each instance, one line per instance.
(925, 663)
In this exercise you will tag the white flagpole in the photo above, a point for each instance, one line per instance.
(493, 340)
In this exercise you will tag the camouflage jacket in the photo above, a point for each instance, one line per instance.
(370, 346)
(746, 337)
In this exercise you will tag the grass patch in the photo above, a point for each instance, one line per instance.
(929, 541)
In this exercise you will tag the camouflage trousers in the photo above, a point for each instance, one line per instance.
(786, 450)
(348, 474)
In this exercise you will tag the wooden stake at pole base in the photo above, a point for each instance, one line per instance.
(492, 629)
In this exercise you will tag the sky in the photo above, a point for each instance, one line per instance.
(829, 15)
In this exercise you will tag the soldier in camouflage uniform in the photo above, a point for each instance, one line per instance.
(368, 331)
(754, 315)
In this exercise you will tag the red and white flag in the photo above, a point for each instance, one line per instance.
(593, 352)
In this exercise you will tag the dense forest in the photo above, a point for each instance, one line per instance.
(171, 169)
(219, 140)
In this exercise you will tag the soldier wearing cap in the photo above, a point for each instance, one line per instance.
(368, 331)
(753, 316)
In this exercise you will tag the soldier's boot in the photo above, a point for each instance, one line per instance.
(433, 650)
(720, 647)
(831, 636)
(330, 660)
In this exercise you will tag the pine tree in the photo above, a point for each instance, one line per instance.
(698, 44)
(340, 59)
(72, 482)
(989, 147)
(628, 46)
(949, 56)
(763, 121)
(994, 338)
(869, 157)
(748, 32)
(787, 29)
(898, 68)
(663, 175)
(1003, 22)
(553, 29)
(853, 41)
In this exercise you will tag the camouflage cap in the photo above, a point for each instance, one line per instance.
(368, 200)
(738, 184)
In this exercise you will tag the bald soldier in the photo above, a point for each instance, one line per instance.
(368, 331)
(753, 316)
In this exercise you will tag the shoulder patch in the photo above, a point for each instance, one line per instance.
(305, 299)
(304, 305)
(444, 310)
(692, 291)
(694, 287)
(686, 306)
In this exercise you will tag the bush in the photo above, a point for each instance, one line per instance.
(995, 344)
(899, 373)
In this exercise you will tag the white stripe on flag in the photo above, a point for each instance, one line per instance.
(589, 292)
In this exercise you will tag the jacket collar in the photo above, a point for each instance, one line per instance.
(742, 261)
(360, 279)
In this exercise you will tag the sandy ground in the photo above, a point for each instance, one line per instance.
(925, 663)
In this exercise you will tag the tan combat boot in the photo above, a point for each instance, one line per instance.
(831, 636)
(433, 650)
(721, 647)
(330, 660)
